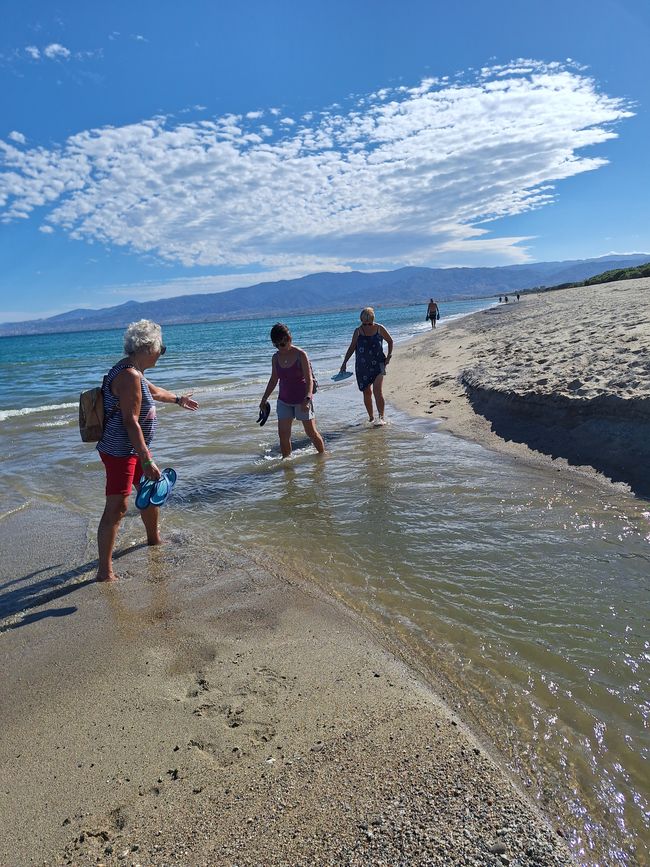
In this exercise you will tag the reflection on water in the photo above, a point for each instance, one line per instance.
(524, 591)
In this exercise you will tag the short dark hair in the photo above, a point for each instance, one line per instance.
(279, 331)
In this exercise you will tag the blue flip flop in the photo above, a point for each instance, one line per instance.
(144, 494)
(264, 414)
(163, 487)
(341, 375)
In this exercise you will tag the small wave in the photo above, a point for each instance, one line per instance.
(28, 410)
(64, 422)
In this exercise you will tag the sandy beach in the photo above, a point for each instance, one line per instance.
(208, 709)
(560, 376)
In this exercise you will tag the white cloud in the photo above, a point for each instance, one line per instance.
(33, 52)
(402, 175)
(46, 230)
(16, 136)
(55, 50)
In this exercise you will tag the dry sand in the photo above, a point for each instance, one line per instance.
(206, 710)
(561, 375)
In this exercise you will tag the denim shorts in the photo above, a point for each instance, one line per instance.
(294, 410)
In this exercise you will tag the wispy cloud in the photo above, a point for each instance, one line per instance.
(409, 174)
(33, 52)
(16, 136)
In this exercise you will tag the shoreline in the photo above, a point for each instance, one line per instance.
(557, 379)
(206, 710)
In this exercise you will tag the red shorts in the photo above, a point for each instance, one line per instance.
(120, 473)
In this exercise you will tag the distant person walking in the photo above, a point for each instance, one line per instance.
(517, 296)
(131, 422)
(433, 313)
(291, 368)
(370, 361)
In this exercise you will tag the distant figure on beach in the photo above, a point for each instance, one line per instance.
(370, 361)
(505, 299)
(433, 313)
(131, 422)
(291, 368)
(500, 299)
(517, 296)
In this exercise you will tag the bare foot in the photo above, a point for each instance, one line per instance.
(111, 576)
(156, 541)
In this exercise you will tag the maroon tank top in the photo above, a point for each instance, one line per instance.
(293, 385)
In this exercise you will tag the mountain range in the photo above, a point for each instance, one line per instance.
(330, 291)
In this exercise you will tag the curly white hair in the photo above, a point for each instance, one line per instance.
(142, 335)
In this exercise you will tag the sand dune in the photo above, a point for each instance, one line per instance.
(564, 373)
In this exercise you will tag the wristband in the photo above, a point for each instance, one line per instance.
(146, 463)
(178, 399)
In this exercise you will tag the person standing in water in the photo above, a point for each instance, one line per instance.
(432, 312)
(291, 368)
(370, 361)
(125, 446)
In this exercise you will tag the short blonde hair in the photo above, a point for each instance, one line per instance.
(367, 316)
(142, 335)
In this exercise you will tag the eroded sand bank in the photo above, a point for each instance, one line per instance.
(565, 374)
(209, 710)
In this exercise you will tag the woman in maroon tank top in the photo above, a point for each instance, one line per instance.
(291, 368)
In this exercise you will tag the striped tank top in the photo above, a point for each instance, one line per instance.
(115, 440)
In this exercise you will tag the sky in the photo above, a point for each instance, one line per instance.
(154, 149)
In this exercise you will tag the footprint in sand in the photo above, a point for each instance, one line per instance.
(199, 686)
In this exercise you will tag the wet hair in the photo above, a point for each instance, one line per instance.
(279, 331)
(142, 335)
(367, 316)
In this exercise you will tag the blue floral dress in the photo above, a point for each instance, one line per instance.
(370, 361)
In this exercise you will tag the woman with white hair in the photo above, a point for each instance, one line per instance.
(370, 361)
(131, 421)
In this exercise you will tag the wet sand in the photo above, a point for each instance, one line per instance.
(208, 709)
(560, 377)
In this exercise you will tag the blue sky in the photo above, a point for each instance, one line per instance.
(152, 149)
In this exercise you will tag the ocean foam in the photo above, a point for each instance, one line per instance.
(28, 410)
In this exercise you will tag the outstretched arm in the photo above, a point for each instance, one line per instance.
(164, 396)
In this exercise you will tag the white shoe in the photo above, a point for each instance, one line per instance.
(380, 421)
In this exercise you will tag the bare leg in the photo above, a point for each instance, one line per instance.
(367, 399)
(284, 432)
(379, 396)
(314, 436)
(114, 511)
(150, 517)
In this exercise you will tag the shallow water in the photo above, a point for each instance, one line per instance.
(526, 592)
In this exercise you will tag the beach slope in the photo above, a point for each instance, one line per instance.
(561, 374)
(208, 710)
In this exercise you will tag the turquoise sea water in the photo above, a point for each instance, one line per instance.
(525, 591)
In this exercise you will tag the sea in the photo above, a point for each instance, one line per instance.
(521, 591)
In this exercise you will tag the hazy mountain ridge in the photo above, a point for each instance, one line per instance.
(329, 291)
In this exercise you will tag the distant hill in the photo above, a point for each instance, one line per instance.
(330, 291)
(607, 277)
